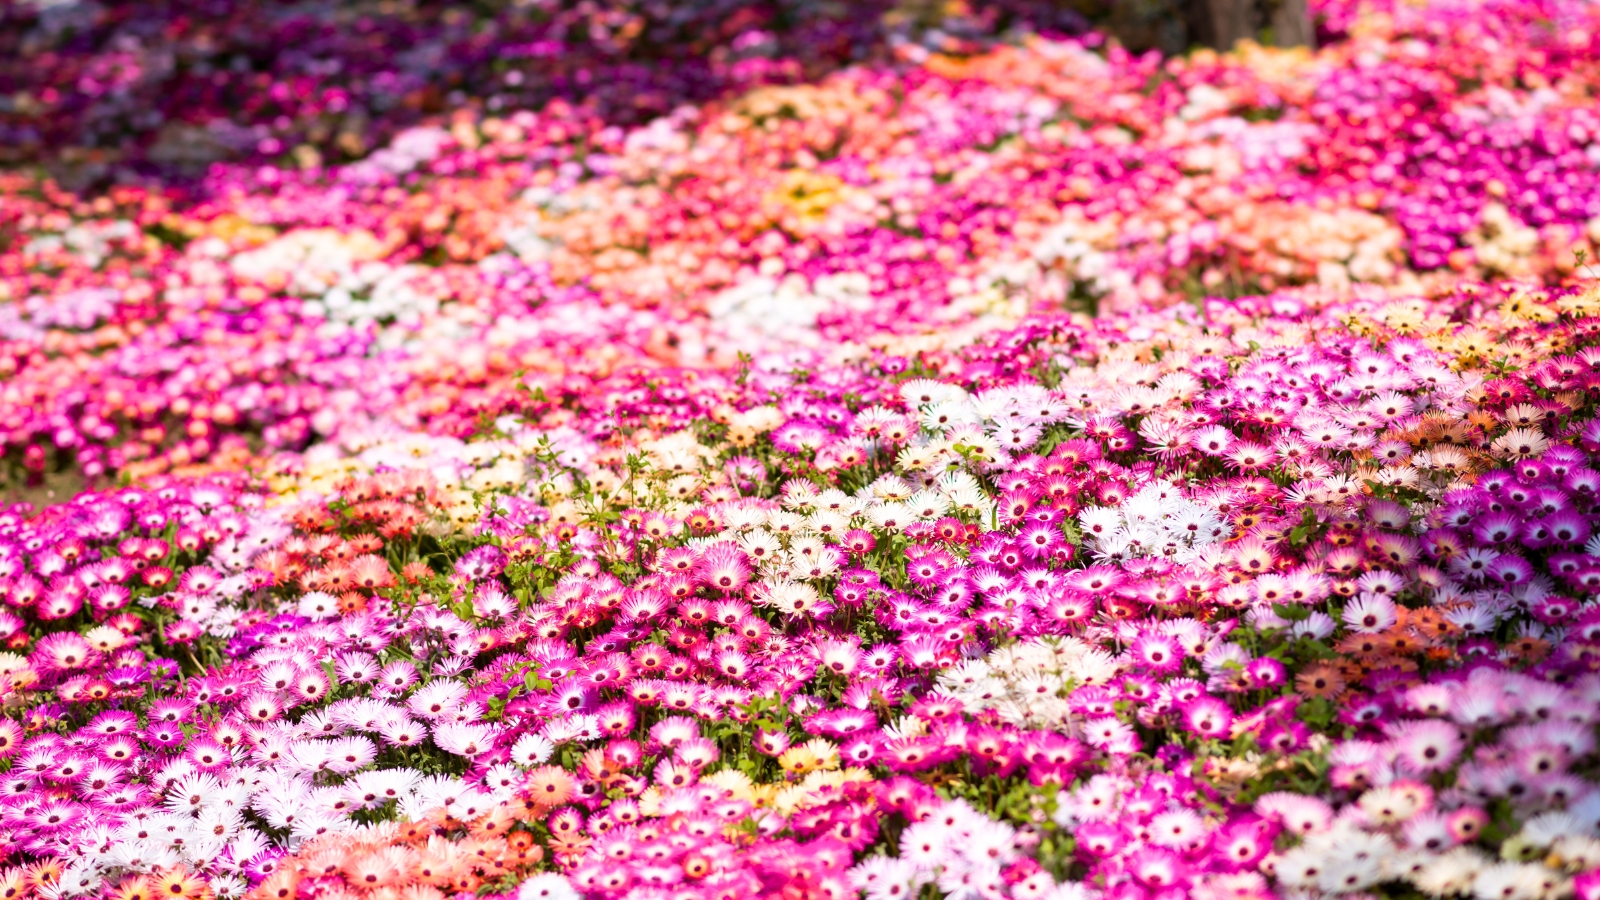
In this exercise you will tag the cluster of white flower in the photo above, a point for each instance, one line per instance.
(1157, 521)
(305, 777)
(795, 541)
(961, 853)
(1404, 830)
(1023, 682)
(1348, 855)
(1072, 248)
(983, 429)
(1502, 242)
(342, 275)
(89, 241)
(782, 311)
(375, 291)
(204, 825)
(409, 149)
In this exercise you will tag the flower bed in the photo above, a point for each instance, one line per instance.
(1003, 466)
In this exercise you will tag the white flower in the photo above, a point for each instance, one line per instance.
(318, 605)
(1510, 881)
(1592, 548)
(77, 879)
(1343, 876)
(881, 875)
(547, 886)
(313, 823)
(1157, 521)
(572, 728)
(926, 391)
(464, 739)
(531, 750)
(1450, 873)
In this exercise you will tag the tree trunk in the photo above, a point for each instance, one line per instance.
(1220, 24)
(1291, 25)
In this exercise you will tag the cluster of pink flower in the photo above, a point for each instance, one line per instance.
(148, 325)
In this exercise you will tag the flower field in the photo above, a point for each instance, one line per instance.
(708, 450)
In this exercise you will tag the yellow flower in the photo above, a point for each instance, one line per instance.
(814, 754)
(799, 760)
(650, 802)
(789, 799)
(1404, 317)
(178, 884)
(1582, 305)
(105, 638)
(736, 783)
(1526, 307)
(1473, 342)
(763, 795)
(808, 194)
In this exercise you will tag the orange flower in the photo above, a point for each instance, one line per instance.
(569, 848)
(437, 863)
(415, 570)
(178, 884)
(369, 572)
(365, 543)
(465, 881)
(485, 854)
(498, 821)
(43, 873)
(401, 523)
(1320, 681)
(522, 850)
(1529, 649)
(1364, 645)
(441, 819)
(549, 786)
(337, 577)
(136, 887)
(280, 885)
(283, 567)
(1405, 642)
(14, 885)
(414, 832)
(380, 868)
(322, 859)
(595, 766)
(320, 544)
(340, 551)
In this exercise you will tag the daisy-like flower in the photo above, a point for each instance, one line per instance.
(1520, 443)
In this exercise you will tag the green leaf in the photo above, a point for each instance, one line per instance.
(1292, 613)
